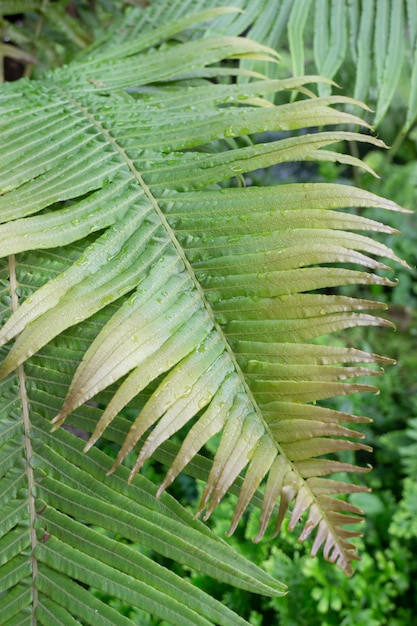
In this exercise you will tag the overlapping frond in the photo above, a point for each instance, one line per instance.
(65, 531)
(375, 41)
(209, 298)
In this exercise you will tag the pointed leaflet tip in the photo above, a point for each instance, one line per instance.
(90, 443)
(260, 464)
(162, 488)
(113, 469)
(57, 421)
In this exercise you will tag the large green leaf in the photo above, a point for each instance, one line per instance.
(51, 490)
(136, 273)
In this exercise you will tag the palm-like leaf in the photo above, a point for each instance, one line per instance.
(193, 297)
(48, 553)
(372, 41)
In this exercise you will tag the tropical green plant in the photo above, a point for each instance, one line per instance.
(139, 273)
(369, 45)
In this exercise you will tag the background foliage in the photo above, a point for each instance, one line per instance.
(383, 590)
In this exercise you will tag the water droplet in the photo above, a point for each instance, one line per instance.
(221, 319)
(184, 393)
(203, 402)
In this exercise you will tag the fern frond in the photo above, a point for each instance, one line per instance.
(141, 278)
(83, 532)
(375, 41)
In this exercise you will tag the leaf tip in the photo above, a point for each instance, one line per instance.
(88, 445)
(161, 489)
(57, 422)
